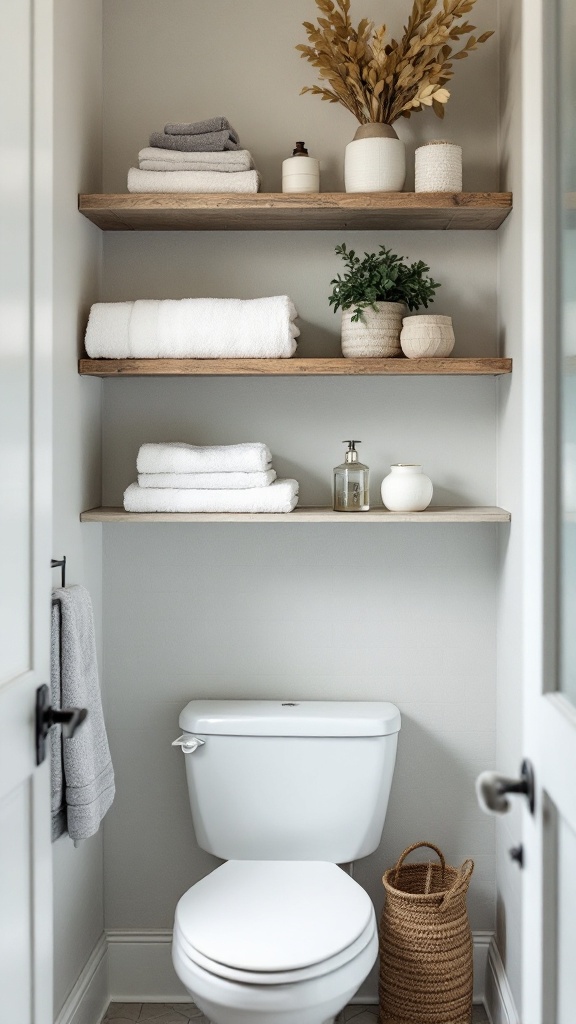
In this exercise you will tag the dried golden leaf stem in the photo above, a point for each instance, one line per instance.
(378, 80)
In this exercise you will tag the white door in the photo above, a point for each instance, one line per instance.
(549, 879)
(25, 498)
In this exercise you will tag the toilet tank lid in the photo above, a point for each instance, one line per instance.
(290, 718)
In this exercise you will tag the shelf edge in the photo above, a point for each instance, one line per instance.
(304, 514)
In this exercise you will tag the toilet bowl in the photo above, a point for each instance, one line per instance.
(283, 792)
(274, 942)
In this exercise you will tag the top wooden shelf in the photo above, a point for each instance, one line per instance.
(277, 211)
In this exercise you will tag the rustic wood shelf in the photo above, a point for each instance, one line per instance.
(277, 211)
(292, 367)
(438, 514)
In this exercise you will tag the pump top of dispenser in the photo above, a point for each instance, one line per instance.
(351, 453)
(300, 150)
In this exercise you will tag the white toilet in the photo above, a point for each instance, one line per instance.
(283, 792)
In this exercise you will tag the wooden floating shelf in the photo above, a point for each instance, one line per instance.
(439, 514)
(292, 367)
(278, 211)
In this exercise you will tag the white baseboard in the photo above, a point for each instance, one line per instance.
(90, 996)
(140, 968)
(498, 998)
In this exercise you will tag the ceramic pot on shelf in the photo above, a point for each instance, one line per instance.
(406, 489)
(376, 334)
(427, 336)
(375, 160)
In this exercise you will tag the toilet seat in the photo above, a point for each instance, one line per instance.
(274, 922)
(271, 977)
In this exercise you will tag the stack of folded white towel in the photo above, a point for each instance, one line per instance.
(193, 329)
(202, 156)
(178, 477)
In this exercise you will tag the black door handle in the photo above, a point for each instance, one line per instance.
(46, 716)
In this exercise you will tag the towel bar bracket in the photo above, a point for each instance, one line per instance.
(46, 716)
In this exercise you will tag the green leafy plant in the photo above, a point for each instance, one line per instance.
(380, 277)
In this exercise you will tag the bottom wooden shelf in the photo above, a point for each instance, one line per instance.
(302, 514)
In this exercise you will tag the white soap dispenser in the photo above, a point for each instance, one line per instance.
(300, 173)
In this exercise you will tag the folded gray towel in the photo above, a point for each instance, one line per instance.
(212, 124)
(209, 142)
(82, 773)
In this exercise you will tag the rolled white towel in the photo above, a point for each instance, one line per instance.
(178, 457)
(108, 330)
(192, 181)
(208, 481)
(193, 328)
(281, 496)
(153, 159)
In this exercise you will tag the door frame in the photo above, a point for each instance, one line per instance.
(549, 720)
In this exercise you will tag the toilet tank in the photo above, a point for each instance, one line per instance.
(302, 780)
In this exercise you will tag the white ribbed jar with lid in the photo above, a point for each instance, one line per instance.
(438, 167)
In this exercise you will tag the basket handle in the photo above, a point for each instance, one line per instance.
(410, 849)
(461, 883)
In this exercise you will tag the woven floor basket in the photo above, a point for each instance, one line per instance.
(426, 943)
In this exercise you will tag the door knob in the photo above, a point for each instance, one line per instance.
(46, 716)
(492, 789)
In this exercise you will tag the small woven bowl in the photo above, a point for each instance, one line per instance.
(427, 336)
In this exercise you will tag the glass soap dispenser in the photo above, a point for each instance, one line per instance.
(351, 482)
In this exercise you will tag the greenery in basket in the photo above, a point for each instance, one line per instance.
(378, 79)
(380, 277)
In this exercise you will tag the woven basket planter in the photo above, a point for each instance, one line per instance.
(376, 334)
(426, 943)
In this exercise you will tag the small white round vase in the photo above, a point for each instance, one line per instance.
(375, 160)
(427, 336)
(406, 489)
(376, 334)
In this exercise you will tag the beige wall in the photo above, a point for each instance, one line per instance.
(349, 612)
(78, 873)
(181, 60)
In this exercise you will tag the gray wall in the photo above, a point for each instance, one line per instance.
(343, 612)
(510, 485)
(78, 873)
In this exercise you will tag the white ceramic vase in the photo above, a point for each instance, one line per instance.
(375, 160)
(376, 334)
(427, 336)
(406, 489)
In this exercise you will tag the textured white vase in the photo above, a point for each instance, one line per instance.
(377, 334)
(438, 167)
(406, 489)
(427, 336)
(375, 160)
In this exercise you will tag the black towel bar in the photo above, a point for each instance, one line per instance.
(56, 563)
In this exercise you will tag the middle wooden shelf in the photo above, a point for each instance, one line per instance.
(486, 366)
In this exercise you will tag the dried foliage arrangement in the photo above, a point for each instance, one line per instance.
(380, 81)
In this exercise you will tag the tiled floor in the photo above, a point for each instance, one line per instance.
(187, 1013)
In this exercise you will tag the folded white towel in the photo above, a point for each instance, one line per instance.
(193, 328)
(192, 181)
(208, 481)
(281, 496)
(153, 159)
(178, 457)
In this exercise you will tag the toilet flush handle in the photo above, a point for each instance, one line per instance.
(188, 743)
